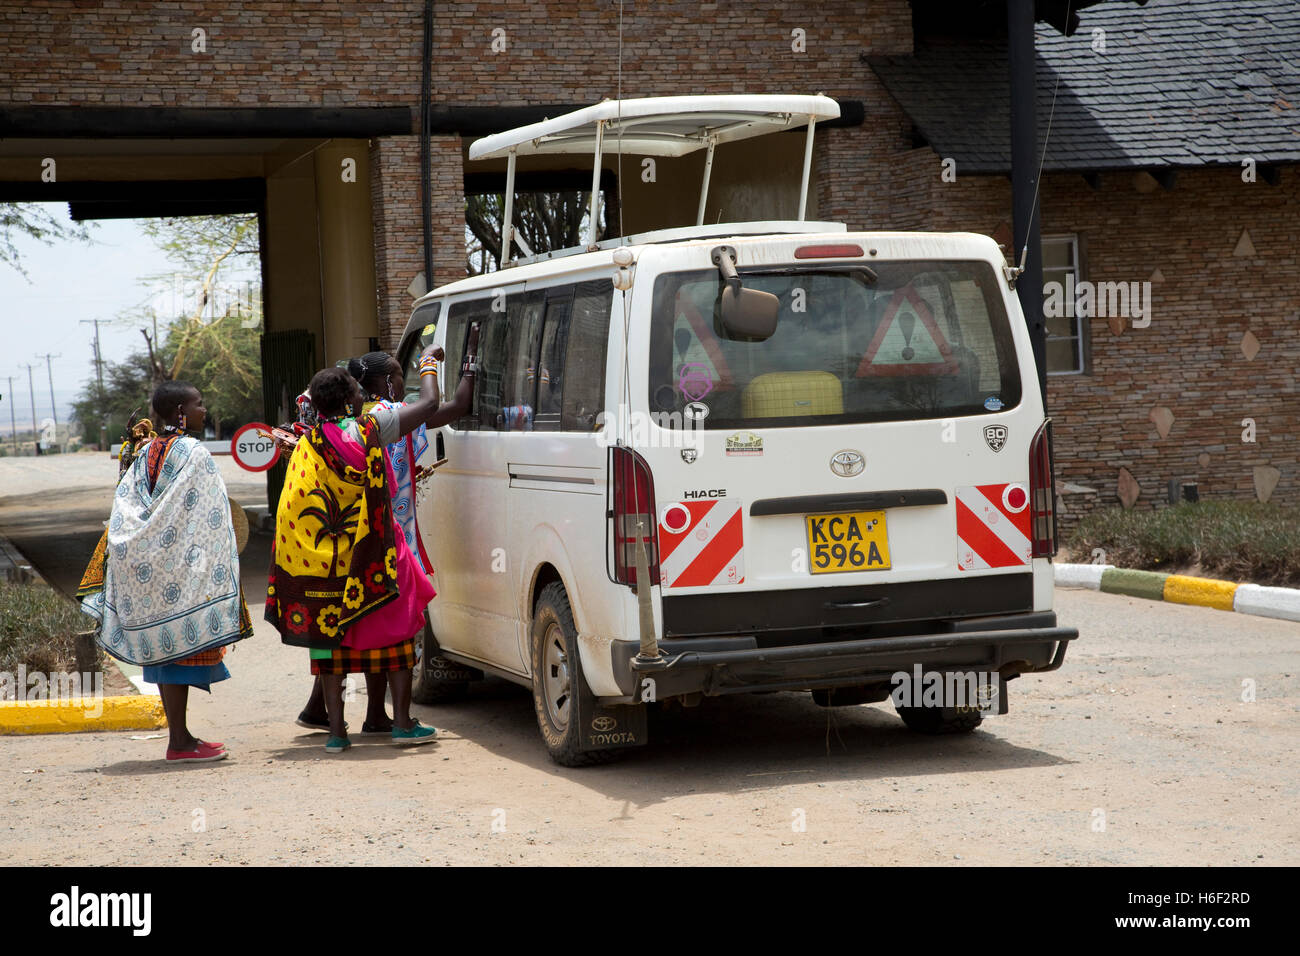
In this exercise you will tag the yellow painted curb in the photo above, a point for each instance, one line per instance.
(1181, 589)
(143, 712)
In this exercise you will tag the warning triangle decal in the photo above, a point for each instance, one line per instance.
(907, 341)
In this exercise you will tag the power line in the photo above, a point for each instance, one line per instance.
(54, 408)
(99, 372)
(13, 425)
(31, 391)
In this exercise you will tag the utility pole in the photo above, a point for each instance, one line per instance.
(31, 391)
(13, 426)
(54, 409)
(99, 372)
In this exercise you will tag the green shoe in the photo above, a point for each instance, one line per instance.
(336, 745)
(417, 734)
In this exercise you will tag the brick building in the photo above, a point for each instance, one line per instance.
(155, 108)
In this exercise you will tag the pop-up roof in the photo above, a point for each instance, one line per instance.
(659, 125)
(654, 126)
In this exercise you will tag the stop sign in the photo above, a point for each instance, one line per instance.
(253, 448)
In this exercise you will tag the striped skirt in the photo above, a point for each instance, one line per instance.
(379, 660)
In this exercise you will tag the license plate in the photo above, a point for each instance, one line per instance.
(855, 541)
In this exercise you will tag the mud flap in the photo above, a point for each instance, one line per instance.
(442, 668)
(609, 727)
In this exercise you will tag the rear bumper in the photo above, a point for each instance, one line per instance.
(733, 665)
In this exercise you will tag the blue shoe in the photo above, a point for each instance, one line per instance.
(417, 734)
(336, 745)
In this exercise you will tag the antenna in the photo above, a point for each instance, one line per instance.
(1047, 136)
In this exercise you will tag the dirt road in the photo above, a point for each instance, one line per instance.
(1139, 751)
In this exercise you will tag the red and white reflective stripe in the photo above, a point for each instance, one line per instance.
(989, 533)
(701, 543)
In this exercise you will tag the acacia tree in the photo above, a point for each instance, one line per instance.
(201, 246)
(208, 337)
(35, 221)
(546, 220)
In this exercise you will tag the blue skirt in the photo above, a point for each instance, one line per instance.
(201, 677)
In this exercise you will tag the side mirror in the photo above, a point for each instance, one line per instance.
(747, 315)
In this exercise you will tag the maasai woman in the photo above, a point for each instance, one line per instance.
(314, 716)
(383, 384)
(343, 579)
(171, 599)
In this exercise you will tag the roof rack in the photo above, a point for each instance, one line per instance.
(654, 126)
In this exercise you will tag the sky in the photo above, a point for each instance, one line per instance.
(65, 283)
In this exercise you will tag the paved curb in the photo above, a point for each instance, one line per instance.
(82, 715)
(1282, 603)
(79, 714)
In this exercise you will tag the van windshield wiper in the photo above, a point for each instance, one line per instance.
(864, 274)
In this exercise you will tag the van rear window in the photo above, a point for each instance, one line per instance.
(924, 339)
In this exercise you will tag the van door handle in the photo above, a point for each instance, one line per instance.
(878, 602)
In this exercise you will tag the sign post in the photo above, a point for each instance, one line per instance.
(253, 448)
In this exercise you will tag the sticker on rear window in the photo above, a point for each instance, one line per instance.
(695, 380)
(993, 403)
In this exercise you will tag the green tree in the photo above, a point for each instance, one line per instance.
(547, 222)
(210, 337)
(34, 220)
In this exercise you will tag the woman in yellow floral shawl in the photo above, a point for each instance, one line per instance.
(342, 582)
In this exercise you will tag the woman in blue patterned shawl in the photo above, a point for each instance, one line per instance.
(171, 599)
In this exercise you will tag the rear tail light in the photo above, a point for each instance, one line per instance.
(837, 251)
(632, 502)
(1042, 493)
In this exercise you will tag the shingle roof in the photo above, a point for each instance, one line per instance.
(1180, 83)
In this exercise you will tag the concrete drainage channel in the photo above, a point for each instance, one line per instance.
(1283, 603)
(65, 705)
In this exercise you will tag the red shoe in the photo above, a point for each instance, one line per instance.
(204, 753)
(211, 743)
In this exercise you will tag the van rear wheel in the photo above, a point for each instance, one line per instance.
(557, 675)
(931, 720)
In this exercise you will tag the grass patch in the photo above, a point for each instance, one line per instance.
(38, 627)
(1233, 540)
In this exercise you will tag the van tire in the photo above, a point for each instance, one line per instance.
(554, 632)
(425, 687)
(930, 720)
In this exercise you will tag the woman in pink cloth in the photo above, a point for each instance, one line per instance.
(381, 641)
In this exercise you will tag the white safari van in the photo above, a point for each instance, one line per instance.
(735, 458)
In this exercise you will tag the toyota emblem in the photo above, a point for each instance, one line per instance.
(847, 463)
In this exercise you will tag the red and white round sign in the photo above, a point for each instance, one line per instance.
(253, 448)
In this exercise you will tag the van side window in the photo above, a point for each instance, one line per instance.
(584, 379)
(489, 389)
(459, 317)
(550, 357)
(425, 321)
(525, 317)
